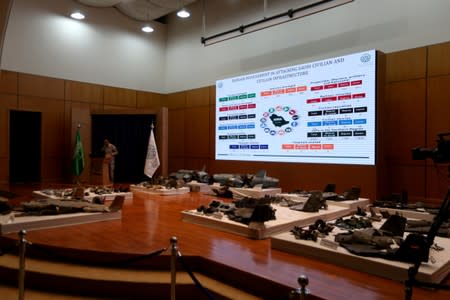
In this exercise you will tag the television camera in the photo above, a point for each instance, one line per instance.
(439, 154)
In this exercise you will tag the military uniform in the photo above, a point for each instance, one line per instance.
(110, 152)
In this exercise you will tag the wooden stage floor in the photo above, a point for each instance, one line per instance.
(148, 223)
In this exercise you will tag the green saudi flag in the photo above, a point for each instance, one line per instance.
(78, 156)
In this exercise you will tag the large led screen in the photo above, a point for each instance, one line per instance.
(318, 112)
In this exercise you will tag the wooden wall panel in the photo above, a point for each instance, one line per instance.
(40, 86)
(52, 134)
(404, 118)
(197, 97)
(176, 100)
(212, 122)
(197, 129)
(7, 102)
(8, 82)
(83, 92)
(438, 182)
(408, 177)
(439, 59)
(438, 121)
(193, 163)
(310, 176)
(4, 12)
(68, 147)
(406, 65)
(80, 114)
(438, 108)
(4, 170)
(403, 129)
(162, 139)
(119, 97)
(382, 187)
(149, 100)
(176, 133)
(243, 167)
(115, 108)
(176, 163)
(307, 176)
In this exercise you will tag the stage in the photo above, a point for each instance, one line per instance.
(149, 221)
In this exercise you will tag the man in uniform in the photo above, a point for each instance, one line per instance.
(110, 152)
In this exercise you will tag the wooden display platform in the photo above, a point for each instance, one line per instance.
(10, 223)
(428, 272)
(285, 220)
(159, 191)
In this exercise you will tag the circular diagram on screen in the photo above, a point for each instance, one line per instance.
(279, 120)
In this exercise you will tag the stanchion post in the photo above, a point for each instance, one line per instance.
(22, 247)
(302, 292)
(173, 267)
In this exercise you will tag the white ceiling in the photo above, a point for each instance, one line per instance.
(141, 10)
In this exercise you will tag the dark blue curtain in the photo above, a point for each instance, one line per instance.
(130, 134)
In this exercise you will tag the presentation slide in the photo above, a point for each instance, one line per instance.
(318, 112)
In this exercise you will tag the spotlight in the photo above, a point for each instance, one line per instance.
(183, 13)
(77, 15)
(147, 29)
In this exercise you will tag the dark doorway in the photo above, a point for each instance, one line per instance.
(130, 134)
(24, 146)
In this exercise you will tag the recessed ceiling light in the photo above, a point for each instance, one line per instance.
(147, 29)
(183, 13)
(77, 15)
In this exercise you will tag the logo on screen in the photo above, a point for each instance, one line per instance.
(365, 58)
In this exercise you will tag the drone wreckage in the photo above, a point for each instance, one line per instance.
(63, 201)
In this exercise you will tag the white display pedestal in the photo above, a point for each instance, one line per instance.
(159, 191)
(239, 193)
(89, 197)
(428, 272)
(10, 223)
(285, 220)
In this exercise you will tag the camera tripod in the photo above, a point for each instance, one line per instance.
(421, 244)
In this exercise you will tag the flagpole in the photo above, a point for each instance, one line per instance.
(152, 160)
(78, 156)
(151, 130)
(78, 176)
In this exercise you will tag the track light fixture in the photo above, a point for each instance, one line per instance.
(289, 15)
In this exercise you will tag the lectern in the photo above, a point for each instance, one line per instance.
(99, 170)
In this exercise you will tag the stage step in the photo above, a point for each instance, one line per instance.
(93, 282)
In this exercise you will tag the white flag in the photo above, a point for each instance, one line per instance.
(152, 160)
